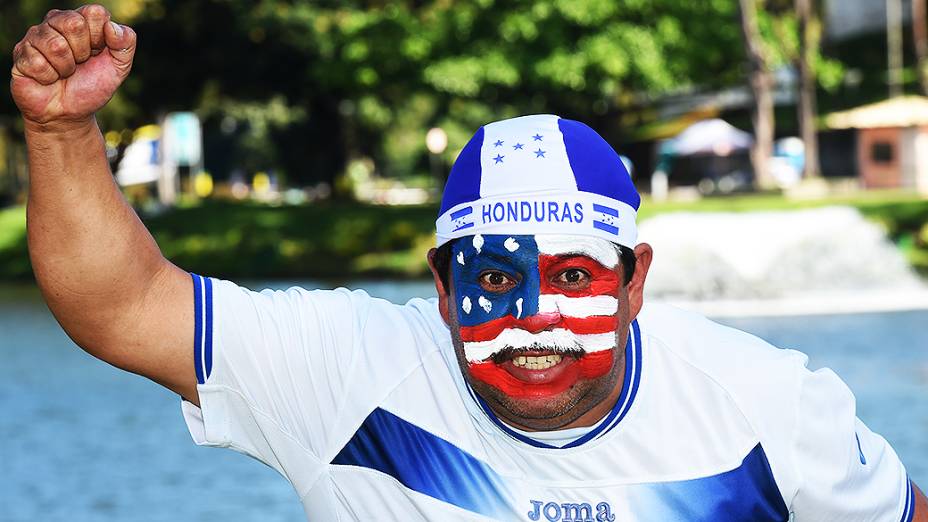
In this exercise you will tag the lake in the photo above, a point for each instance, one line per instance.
(81, 441)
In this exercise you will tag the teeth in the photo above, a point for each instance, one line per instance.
(536, 363)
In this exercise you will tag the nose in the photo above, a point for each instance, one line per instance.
(540, 322)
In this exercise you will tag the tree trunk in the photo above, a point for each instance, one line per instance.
(806, 106)
(920, 36)
(761, 81)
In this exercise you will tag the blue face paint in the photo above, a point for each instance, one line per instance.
(516, 256)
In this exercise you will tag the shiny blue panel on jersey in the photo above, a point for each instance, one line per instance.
(424, 462)
(747, 493)
(493, 255)
(428, 464)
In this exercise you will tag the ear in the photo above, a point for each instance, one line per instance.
(443, 293)
(643, 256)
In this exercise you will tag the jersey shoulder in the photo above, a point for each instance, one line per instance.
(762, 380)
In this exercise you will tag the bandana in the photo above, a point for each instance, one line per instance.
(539, 174)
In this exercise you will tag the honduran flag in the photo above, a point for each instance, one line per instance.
(535, 315)
(539, 174)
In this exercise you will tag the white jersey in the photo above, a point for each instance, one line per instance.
(361, 405)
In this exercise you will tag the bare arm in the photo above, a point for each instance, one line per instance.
(100, 271)
(921, 506)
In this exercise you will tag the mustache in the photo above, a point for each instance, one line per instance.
(559, 340)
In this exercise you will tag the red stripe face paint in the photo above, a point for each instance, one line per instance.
(537, 313)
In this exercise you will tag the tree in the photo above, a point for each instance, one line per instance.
(920, 37)
(306, 86)
(761, 81)
(809, 32)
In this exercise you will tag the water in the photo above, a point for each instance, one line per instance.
(81, 441)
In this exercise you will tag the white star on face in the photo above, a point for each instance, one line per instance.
(478, 242)
(485, 304)
(511, 244)
(465, 304)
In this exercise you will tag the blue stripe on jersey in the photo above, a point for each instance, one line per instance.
(631, 383)
(208, 341)
(860, 452)
(621, 407)
(424, 462)
(908, 512)
(747, 493)
(197, 328)
(632, 378)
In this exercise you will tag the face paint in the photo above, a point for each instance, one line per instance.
(546, 314)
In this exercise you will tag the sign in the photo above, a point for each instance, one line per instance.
(183, 139)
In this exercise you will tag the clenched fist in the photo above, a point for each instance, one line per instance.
(69, 66)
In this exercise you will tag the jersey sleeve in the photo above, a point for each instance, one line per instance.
(272, 369)
(847, 471)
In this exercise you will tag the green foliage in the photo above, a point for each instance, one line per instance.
(780, 31)
(312, 85)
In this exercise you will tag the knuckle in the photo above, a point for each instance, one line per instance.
(73, 23)
(96, 11)
(58, 46)
(43, 31)
(36, 62)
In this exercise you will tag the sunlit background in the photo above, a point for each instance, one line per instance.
(781, 147)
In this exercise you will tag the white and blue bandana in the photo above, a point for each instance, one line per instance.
(539, 174)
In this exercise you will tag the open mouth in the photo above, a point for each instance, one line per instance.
(539, 373)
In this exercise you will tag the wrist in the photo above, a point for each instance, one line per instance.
(60, 129)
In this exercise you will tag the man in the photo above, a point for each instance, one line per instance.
(537, 386)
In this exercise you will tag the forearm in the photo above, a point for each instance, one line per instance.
(92, 256)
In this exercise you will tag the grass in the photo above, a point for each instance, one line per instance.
(341, 239)
(14, 257)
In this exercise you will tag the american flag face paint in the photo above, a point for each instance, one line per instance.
(536, 313)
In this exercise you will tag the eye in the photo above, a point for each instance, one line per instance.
(573, 278)
(496, 281)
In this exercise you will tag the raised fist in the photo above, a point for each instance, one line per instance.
(69, 66)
